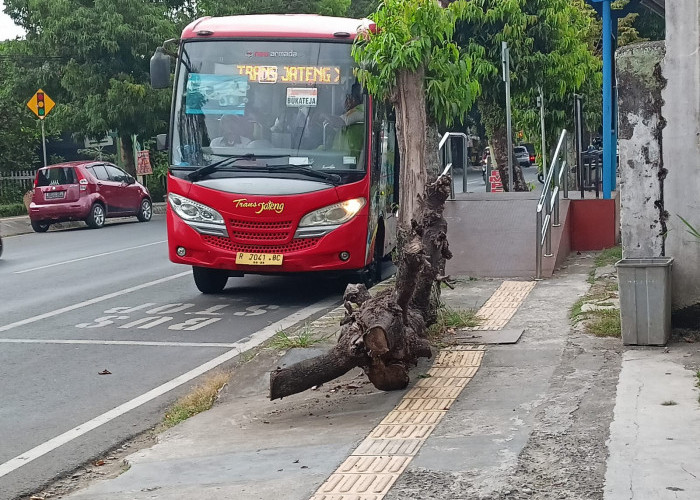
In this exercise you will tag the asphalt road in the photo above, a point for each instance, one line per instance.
(476, 184)
(77, 303)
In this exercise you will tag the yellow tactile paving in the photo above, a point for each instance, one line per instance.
(370, 471)
(502, 305)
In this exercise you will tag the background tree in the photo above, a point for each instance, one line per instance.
(20, 135)
(97, 63)
(413, 62)
(545, 50)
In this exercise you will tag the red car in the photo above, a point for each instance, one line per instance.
(86, 190)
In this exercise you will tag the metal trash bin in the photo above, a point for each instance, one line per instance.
(645, 300)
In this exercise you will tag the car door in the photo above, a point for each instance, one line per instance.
(126, 199)
(106, 187)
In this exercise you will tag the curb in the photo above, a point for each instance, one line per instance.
(17, 225)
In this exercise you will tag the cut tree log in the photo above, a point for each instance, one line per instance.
(385, 334)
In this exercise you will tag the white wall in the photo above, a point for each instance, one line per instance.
(681, 146)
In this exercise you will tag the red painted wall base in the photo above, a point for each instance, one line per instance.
(594, 224)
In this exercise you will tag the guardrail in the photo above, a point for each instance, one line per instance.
(548, 206)
(448, 167)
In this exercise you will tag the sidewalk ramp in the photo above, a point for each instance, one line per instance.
(493, 235)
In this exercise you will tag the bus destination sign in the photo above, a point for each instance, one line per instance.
(290, 74)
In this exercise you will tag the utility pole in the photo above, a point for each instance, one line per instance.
(505, 60)
(540, 103)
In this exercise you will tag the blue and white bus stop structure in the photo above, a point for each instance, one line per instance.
(610, 19)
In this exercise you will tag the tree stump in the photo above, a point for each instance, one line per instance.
(385, 334)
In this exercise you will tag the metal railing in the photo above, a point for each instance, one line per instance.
(548, 206)
(445, 154)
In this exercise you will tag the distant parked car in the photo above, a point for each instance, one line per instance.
(91, 191)
(523, 156)
(531, 151)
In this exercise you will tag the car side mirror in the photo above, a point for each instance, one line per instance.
(161, 142)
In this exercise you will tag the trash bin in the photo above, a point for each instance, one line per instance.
(645, 300)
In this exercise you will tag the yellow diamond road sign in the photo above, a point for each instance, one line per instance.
(41, 104)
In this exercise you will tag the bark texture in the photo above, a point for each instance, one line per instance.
(385, 334)
(408, 98)
(499, 144)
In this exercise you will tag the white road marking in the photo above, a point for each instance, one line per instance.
(89, 257)
(243, 345)
(120, 342)
(86, 303)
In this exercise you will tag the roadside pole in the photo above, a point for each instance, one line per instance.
(540, 103)
(41, 105)
(505, 60)
(43, 139)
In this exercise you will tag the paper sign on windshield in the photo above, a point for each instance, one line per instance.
(297, 98)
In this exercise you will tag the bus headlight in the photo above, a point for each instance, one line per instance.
(333, 215)
(202, 218)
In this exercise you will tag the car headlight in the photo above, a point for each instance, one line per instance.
(191, 211)
(333, 215)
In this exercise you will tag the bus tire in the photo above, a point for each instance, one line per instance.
(209, 280)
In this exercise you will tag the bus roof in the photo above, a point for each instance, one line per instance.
(276, 25)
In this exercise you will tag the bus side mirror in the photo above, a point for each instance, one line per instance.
(161, 142)
(160, 69)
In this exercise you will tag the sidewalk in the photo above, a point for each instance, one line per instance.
(560, 414)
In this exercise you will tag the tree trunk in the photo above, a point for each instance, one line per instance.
(127, 150)
(499, 151)
(385, 335)
(408, 98)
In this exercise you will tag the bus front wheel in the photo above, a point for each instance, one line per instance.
(209, 280)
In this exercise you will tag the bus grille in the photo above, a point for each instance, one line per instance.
(252, 232)
(232, 246)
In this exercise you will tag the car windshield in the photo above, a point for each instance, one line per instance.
(292, 100)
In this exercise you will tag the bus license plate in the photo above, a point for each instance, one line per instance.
(259, 259)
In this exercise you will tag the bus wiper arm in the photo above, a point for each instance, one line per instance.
(202, 172)
(304, 169)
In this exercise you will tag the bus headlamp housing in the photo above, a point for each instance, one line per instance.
(200, 217)
(333, 215)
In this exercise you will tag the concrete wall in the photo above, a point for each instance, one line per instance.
(681, 146)
(642, 173)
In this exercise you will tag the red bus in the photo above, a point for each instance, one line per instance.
(279, 162)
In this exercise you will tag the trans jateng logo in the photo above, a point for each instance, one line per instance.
(259, 206)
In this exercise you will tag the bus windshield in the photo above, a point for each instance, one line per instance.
(296, 102)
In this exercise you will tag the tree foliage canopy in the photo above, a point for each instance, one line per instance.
(415, 34)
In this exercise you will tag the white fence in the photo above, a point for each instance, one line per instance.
(14, 184)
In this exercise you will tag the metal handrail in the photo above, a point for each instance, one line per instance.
(445, 137)
(548, 205)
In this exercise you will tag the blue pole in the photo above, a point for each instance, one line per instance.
(607, 100)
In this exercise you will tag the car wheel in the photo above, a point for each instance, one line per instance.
(40, 226)
(145, 211)
(209, 280)
(0, 247)
(96, 219)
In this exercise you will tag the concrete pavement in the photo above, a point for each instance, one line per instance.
(559, 414)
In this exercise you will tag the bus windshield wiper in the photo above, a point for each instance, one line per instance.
(306, 170)
(202, 172)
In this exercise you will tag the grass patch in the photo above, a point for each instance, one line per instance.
(451, 318)
(605, 323)
(301, 338)
(198, 400)
(608, 256)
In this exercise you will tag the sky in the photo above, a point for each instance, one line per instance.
(8, 30)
